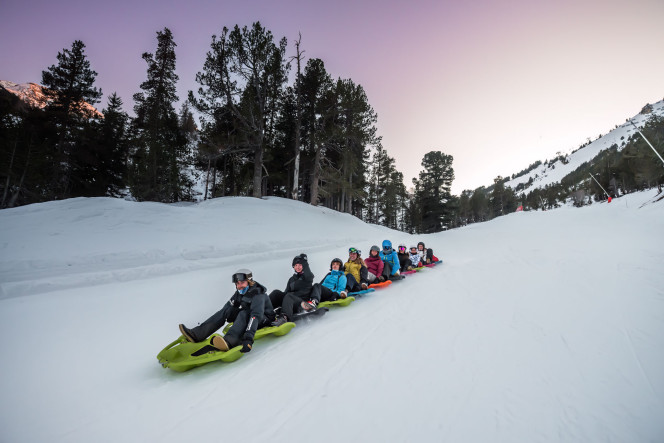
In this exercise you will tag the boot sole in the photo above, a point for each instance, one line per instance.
(220, 343)
(187, 336)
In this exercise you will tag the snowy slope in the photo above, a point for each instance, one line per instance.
(540, 326)
(545, 175)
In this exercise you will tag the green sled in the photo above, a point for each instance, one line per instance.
(178, 354)
(340, 302)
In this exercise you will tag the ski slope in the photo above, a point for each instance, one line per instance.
(555, 171)
(539, 327)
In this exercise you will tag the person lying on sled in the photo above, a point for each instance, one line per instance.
(249, 309)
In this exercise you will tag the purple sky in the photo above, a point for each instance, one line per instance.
(496, 84)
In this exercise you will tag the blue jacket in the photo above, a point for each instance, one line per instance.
(392, 258)
(335, 280)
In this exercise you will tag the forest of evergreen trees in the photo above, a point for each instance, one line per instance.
(247, 132)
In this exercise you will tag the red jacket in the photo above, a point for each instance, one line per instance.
(374, 265)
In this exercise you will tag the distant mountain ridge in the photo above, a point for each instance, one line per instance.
(34, 95)
(555, 170)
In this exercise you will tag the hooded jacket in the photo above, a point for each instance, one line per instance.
(300, 283)
(375, 265)
(355, 268)
(392, 258)
(257, 303)
(335, 281)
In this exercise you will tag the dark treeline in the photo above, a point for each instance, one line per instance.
(248, 131)
(244, 132)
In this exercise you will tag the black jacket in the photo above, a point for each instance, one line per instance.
(255, 300)
(257, 303)
(300, 284)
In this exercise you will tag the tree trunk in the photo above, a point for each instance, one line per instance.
(207, 180)
(298, 123)
(315, 177)
(9, 173)
(296, 172)
(258, 171)
(15, 195)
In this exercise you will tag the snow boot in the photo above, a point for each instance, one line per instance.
(364, 286)
(280, 320)
(309, 305)
(219, 343)
(187, 333)
(343, 294)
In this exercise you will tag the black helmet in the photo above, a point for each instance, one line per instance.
(354, 250)
(421, 243)
(242, 275)
(336, 260)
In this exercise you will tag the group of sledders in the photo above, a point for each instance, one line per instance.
(251, 308)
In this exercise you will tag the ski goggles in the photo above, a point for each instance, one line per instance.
(354, 251)
(240, 276)
(402, 248)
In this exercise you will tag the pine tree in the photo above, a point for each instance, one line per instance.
(243, 75)
(114, 146)
(318, 116)
(357, 121)
(155, 170)
(70, 93)
(25, 168)
(432, 191)
(390, 193)
(297, 120)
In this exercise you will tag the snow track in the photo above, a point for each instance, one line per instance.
(539, 327)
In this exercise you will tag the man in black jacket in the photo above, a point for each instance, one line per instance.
(249, 309)
(297, 290)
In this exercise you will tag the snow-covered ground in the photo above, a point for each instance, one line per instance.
(539, 327)
(555, 171)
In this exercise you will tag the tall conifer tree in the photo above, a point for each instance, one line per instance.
(432, 191)
(155, 171)
(71, 94)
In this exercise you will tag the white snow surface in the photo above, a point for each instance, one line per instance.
(538, 327)
(555, 171)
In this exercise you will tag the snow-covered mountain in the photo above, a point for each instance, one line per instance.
(33, 94)
(555, 171)
(538, 327)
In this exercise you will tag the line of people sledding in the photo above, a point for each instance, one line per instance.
(251, 308)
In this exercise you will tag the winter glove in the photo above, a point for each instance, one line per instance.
(247, 341)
